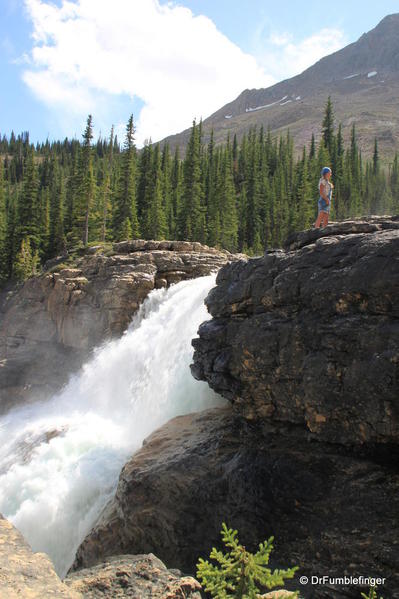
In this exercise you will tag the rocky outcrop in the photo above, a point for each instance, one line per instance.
(49, 325)
(24, 574)
(304, 342)
(331, 512)
(309, 335)
(134, 577)
(28, 575)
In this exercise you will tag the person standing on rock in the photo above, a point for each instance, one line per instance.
(324, 203)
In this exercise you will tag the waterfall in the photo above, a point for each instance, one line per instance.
(60, 459)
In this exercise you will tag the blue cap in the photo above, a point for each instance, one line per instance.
(325, 170)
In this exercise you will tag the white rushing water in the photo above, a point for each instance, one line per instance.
(60, 460)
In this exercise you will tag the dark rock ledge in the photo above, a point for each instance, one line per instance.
(310, 336)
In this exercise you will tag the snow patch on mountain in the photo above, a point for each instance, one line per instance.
(266, 105)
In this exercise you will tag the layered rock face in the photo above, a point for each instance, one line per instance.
(331, 513)
(49, 325)
(309, 335)
(304, 342)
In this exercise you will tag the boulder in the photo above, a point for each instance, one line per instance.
(309, 335)
(134, 577)
(331, 512)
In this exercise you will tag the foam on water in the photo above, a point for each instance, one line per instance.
(60, 460)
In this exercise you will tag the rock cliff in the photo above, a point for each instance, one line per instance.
(330, 511)
(49, 325)
(24, 573)
(309, 335)
(304, 342)
(28, 575)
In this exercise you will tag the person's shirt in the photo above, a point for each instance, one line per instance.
(327, 187)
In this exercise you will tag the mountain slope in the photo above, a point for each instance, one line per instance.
(362, 80)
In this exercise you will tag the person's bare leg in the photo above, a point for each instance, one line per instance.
(323, 218)
(318, 220)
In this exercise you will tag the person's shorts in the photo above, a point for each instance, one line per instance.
(323, 206)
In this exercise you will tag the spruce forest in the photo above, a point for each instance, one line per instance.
(242, 196)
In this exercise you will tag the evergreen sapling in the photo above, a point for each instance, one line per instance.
(239, 573)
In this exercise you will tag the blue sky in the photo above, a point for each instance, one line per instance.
(159, 60)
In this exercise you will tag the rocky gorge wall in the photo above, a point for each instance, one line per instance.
(304, 343)
(309, 335)
(49, 325)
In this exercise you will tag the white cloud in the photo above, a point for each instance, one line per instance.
(284, 57)
(87, 52)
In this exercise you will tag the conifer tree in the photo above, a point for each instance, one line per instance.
(26, 262)
(328, 126)
(124, 208)
(239, 573)
(154, 219)
(338, 172)
(72, 190)
(242, 230)
(176, 184)
(3, 227)
(372, 594)
(126, 229)
(166, 186)
(312, 150)
(57, 240)
(394, 184)
(376, 159)
(44, 222)
(354, 176)
(304, 212)
(86, 186)
(253, 191)
(105, 204)
(265, 196)
(212, 198)
(144, 179)
(29, 213)
(235, 160)
(192, 212)
(11, 237)
(227, 200)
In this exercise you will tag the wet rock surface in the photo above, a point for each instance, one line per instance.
(310, 335)
(49, 325)
(331, 512)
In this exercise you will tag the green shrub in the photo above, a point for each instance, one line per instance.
(240, 573)
(372, 594)
(59, 267)
(27, 262)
